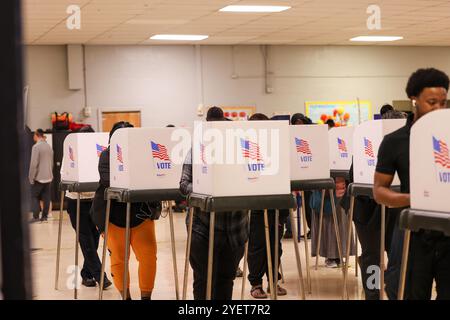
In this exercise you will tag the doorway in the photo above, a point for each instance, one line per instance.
(109, 118)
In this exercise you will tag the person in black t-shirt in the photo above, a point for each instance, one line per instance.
(429, 256)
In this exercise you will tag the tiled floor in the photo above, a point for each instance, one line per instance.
(326, 283)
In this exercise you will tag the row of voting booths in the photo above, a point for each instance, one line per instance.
(245, 166)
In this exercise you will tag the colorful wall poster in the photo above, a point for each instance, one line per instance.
(344, 113)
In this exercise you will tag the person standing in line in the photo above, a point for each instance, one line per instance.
(40, 176)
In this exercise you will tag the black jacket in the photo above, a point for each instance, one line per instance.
(139, 211)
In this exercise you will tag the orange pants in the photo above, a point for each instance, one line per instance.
(143, 242)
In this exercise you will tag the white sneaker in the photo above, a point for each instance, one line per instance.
(331, 263)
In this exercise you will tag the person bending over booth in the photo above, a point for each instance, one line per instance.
(230, 235)
(89, 235)
(142, 233)
(257, 254)
(429, 255)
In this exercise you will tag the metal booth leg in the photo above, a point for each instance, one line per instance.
(77, 241)
(212, 221)
(356, 254)
(347, 253)
(127, 254)
(174, 253)
(105, 246)
(382, 247)
(58, 248)
(276, 249)
(268, 254)
(188, 253)
(297, 255)
(404, 267)
(244, 270)
(305, 231)
(319, 236)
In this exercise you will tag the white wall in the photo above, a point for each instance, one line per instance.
(168, 82)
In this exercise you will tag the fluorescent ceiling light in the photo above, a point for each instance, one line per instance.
(376, 38)
(179, 37)
(238, 8)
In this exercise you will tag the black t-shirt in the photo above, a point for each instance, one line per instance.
(393, 154)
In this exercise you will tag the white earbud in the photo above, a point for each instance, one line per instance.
(414, 102)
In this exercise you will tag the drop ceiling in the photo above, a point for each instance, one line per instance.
(308, 22)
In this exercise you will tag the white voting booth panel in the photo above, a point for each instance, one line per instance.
(81, 154)
(430, 162)
(142, 159)
(367, 138)
(341, 147)
(309, 152)
(252, 160)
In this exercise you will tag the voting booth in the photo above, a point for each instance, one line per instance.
(367, 138)
(309, 152)
(142, 159)
(340, 141)
(81, 154)
(145, 166)
(429, 182)
(79, 173)
(241, 166)
(241, 158)
(430, 162)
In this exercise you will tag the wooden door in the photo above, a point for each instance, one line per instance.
(110, 118)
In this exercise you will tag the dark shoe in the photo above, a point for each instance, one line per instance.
(34, 220)
(309, 235)
(280, 291)
(239, 273)
(89, 283)
(106, 283)
(44, 219)
(257, 292)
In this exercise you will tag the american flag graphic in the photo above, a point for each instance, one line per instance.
(119, 153)
(341, 145)
(202, 153)
(100, 149)
(368, 148)
(250, 150)
(441, 153)
(159, 151)
(71, 154)
(302, 146)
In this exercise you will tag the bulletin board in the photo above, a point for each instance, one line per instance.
(358, 111)
(238, 113)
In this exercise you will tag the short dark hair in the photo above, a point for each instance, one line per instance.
(258, 117)
(426, 78)
(170, 126)
(86, 129)
(39, 132)
(119, 125)
(330, 122)
(386, 108)
(214, 114)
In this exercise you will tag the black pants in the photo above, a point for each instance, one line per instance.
(367, 218)
(257, 252)
(429, 259)
(226, 261)
(89, 239)
(40, 191)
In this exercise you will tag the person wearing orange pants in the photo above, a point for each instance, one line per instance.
(143, 243)
(142, 229)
